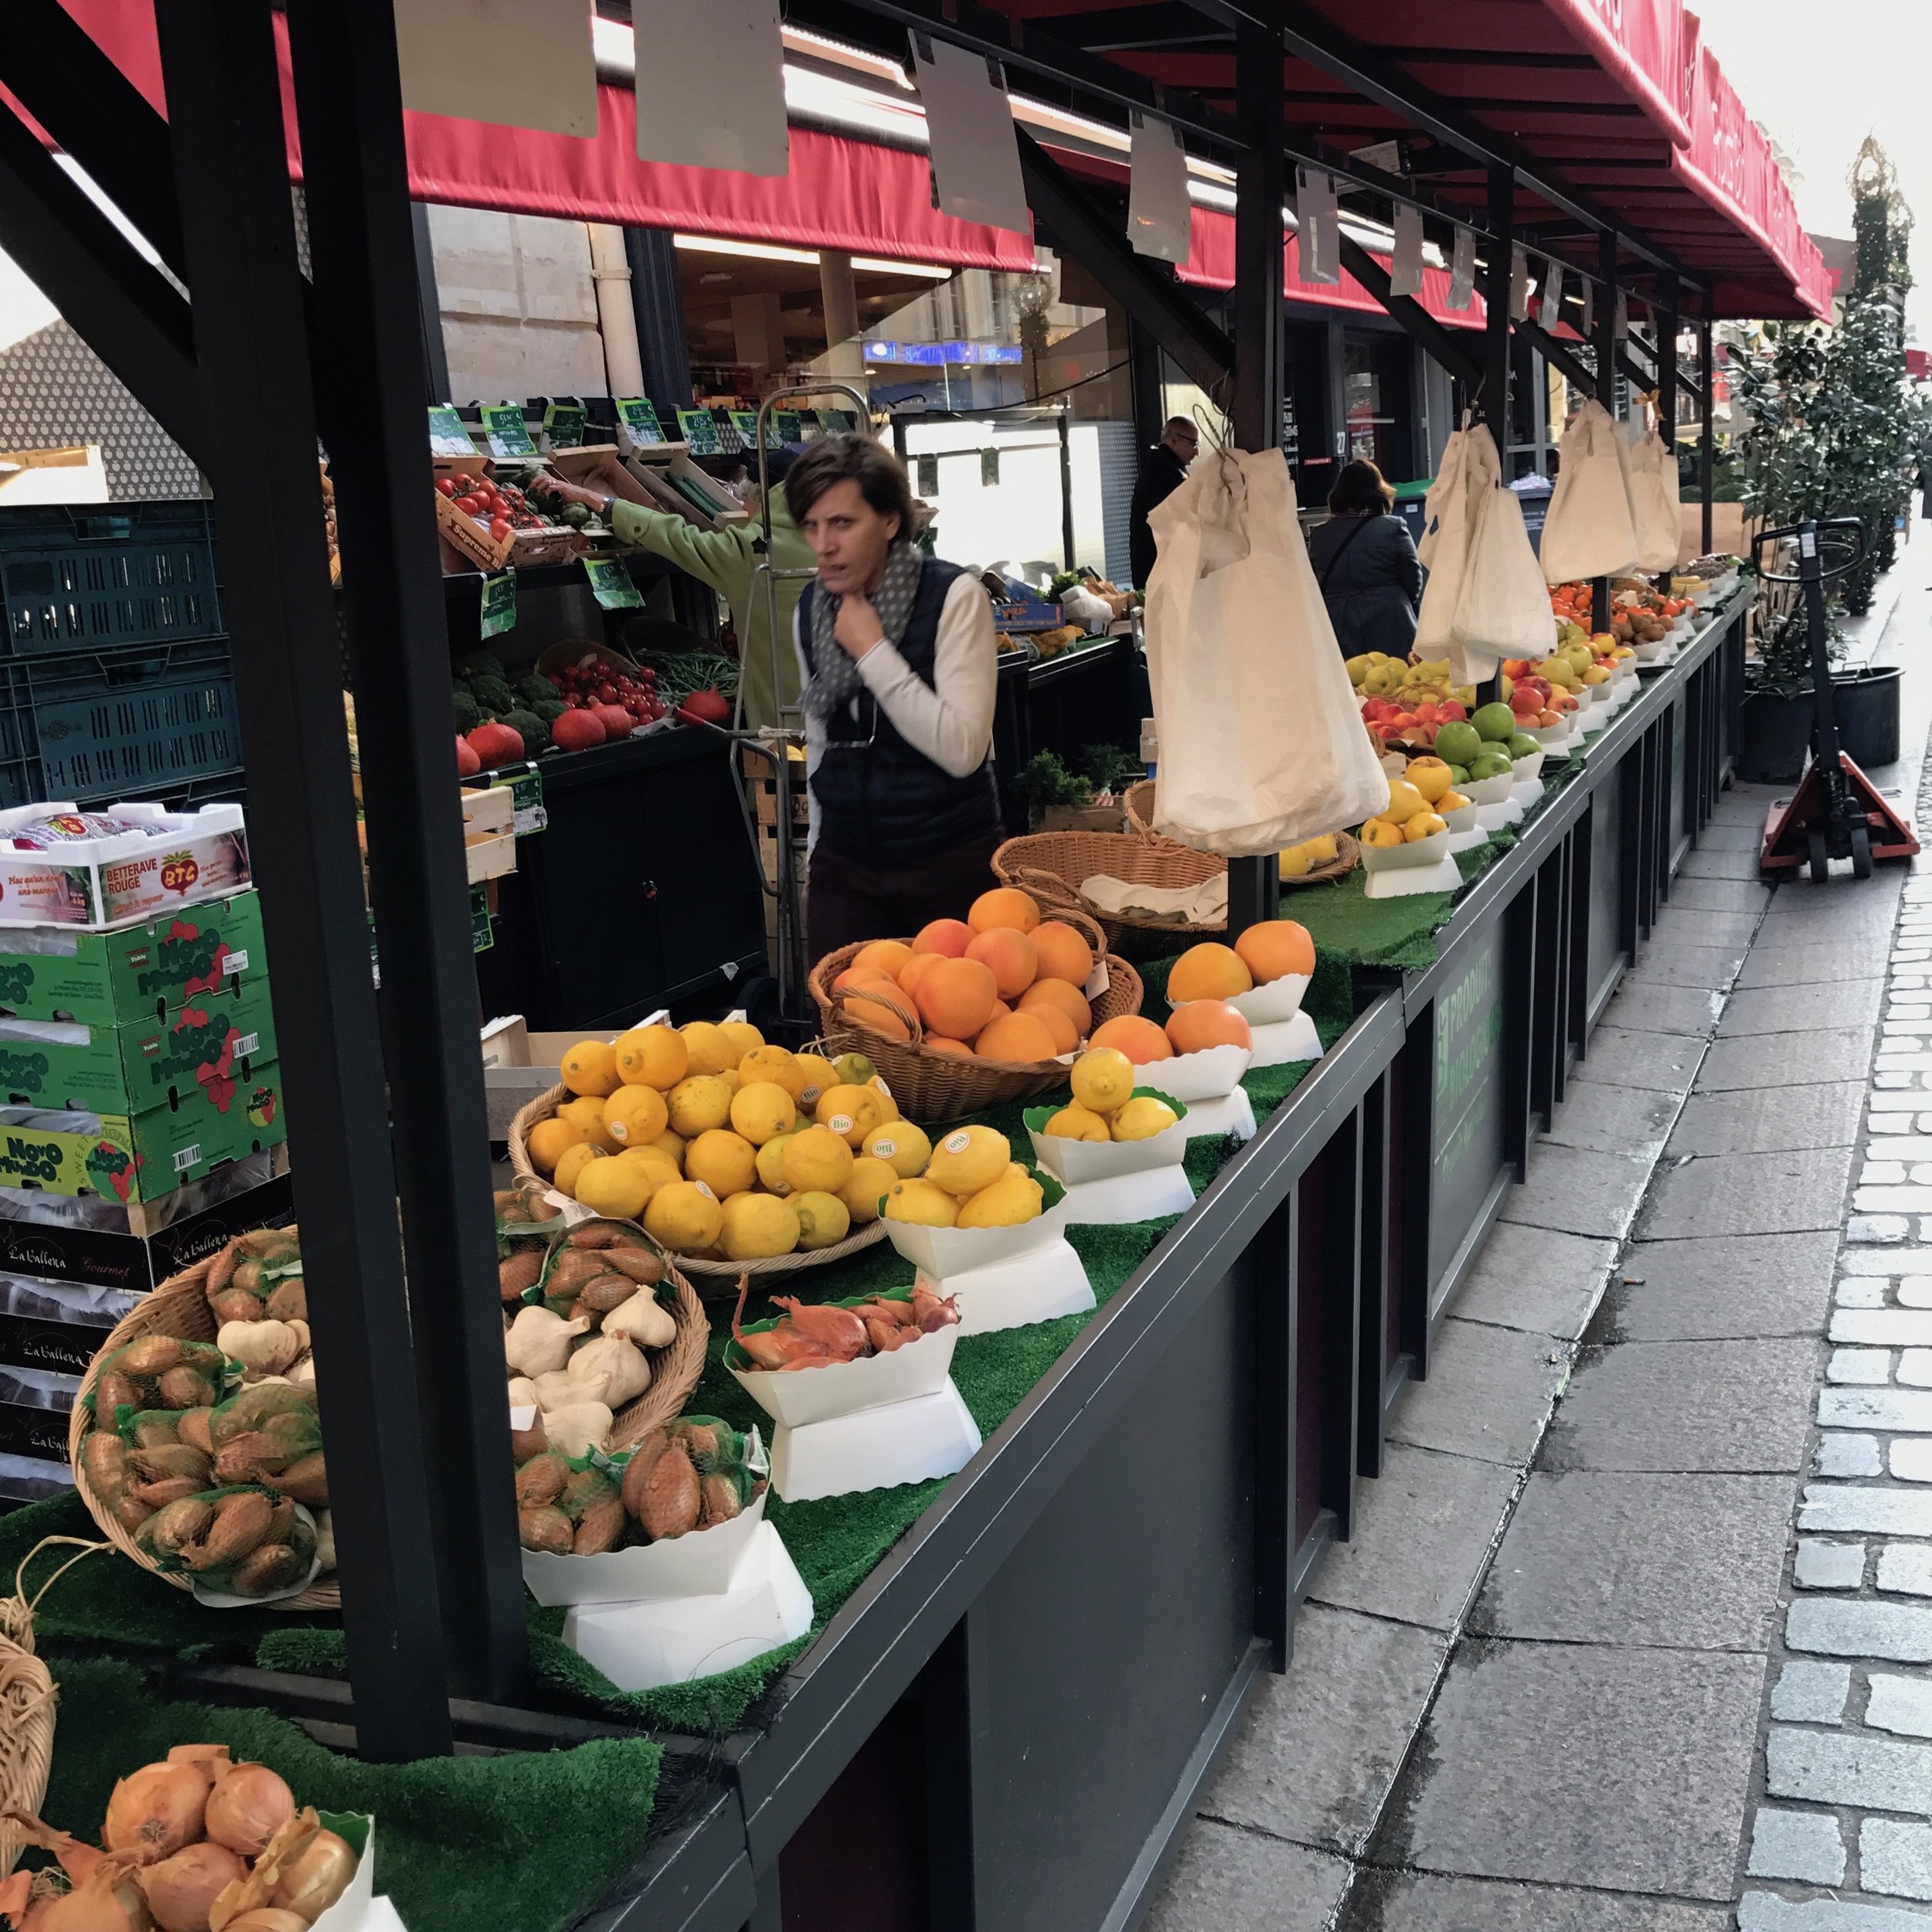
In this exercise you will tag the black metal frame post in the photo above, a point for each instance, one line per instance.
(238, 226)
(1501, 185)
(369, 350)
(1707, 426)
(1664, 313)
(1606, 347)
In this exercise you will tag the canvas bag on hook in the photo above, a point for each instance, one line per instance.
(1485, 599)
(1652, 470)
(1588, 532)
(1260, 730)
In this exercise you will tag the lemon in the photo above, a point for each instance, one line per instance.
(817, 1161)
(726, 1162)
(1012, 1199)
(652, 1057)
(591, 1067)
(742, 1037)
(614, 1189)
(672, 1145)
(756, 1226)
(733, 1079)
(1142, 1118)
(635, 1116)
(709, 1051)
(762, 1111)
(548, 1142)
(1074, 1122)
(901, 1145)
(819, 1073)
(918, 1204)
(652, 1161)
(774, 1064)
(586, 1114)
(1293, 863)
(968, 1159)
(684, 1215)
(854, 1069)
(871, 1180)
(575, 1160)
(850, 1111)
(698, 1104)
(1102, 1079)
(771, 1168)
(877, 1084)
(823, 1219)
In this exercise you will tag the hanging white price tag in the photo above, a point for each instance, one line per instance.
(1405, 271)
(1462, 269)
(1518, 285)
(1158, 223)
(1552, 310)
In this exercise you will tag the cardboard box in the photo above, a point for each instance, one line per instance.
(34, 1404)
(137, 972)
(173, 859)
(56, 1325)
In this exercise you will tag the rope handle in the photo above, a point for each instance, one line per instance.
(16, 1611)
(1049, 886)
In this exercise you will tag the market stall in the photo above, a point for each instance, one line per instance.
(1029, 1656)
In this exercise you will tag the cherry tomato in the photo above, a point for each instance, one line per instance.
(499, 528)
(606, 694)
(445, 488)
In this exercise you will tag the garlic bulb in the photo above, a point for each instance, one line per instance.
(577, 1429)
(523, 1393)
(539, 1341)
(554, 1388)
(267, 1347)
(643, 1319)
(621, 1368)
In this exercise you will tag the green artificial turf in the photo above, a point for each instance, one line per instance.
(523, 1842)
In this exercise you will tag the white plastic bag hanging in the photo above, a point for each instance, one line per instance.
(1589, 532)
(1654, 515)
(1260, 730)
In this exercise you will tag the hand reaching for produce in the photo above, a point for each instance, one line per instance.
(858, 628)
(553, 489)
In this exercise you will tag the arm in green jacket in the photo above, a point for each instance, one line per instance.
(717, 557)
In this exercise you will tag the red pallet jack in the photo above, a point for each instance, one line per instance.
(1836, 812)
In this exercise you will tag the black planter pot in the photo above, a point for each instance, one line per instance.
(1778, 731)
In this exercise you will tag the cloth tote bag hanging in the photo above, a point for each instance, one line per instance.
(1588, 531)
(1260, 730)
(1444, 549)
(1503, 608)
(1653, 501)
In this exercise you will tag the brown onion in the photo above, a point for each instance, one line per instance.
(316, 1877)
(267, 1918)
(157, 1809)
(180, 1890)
(94, 1907)
(248, 1806)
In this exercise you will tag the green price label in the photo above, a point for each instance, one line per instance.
(787, 425)
(482, 936)
(746, 423)
(448, 436)
(838, 422)
(503, 424)
(610, 583)
(563, 424)
(989, 469)
(699, 431)
(640, 417)
(499, 604)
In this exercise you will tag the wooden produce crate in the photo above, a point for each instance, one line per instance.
(520, 550)
(489, 833)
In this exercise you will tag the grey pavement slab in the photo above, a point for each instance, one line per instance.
(1809, 1693)
(1749, 1122)
(1678, 925)
(1651, 1009)
(1692, 1562)
(1764, 1284)
(1844, 1767)
(1536, 1280)
(1796, 1191)
(1422, 1533)
(1838, 1626)
(1678, 963)
(1846, 918)
(1740, 1407)
(1720, 862)
(1225, 1880)
(1724, 835)
(1883, 1512)
(1787, 1059)
(1891, 1410)
(1807, 1847)
(1801, 963)
(1803, 1009)
(1900, 1704)
(1766, 1912)
(1720, 895)
(1579, 1191)
(1663, 1062)
(1322, 1744)
(1896, 1857)
(1488, 1393)
(1613, 1120)
(1431, 1902)
(1574, 1764)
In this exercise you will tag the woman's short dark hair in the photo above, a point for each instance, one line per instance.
(1359, 488)
(851, 458)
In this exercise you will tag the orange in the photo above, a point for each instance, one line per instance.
(1010, 956)
(1202, 1023)
(914, 971)
(1065, 1035)
(875, 1018)
(939, 1043)
(949, 936)
(1275, 947)
(1018, 1036)
(1001, 1009)
(1062, 993)
(1004, 905)
(889, 955)
(1064, 953)
(857, 975)
(1209, 970)
(1139, 1040)
(956, 997)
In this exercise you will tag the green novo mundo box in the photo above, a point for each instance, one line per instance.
(143, 1158)
(136, 973)
(150, 1064)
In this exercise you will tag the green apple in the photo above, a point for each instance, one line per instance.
(1488, 765)
(1523, 745)
(1458, 743)
(1495, 723)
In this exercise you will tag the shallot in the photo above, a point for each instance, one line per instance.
(180, 1890)
(157, 1809)
(316, 1877)
(248, 1806)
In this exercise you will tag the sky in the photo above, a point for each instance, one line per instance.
(1818, 80)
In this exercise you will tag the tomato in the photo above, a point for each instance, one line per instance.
(464, 483)
(606, 694)
(499, 529)
(469, 504)
(445, 488)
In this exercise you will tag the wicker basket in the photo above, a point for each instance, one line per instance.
(1347, 856)
(1051, 864)
(1138, 800)
(725, 1273)
(27, 1701)
(936, 1089)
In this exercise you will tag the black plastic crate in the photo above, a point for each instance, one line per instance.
(81, 578)
(145, 724)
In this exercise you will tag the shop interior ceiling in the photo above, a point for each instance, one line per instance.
(710, 280)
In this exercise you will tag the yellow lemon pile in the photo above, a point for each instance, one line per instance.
(971, 1181)
(1105, 1107)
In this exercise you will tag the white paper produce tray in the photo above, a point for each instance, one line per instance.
(933, 1435)
(357, 1909)
(1527, 771)
(1039, 1283)
(1280, 999)
(1211, 1074)
(798, 1397)
(1432, 869)
(1483, 791)
(1296, 1039)
(701, 1562)
(640, 1645)
(1509, 812)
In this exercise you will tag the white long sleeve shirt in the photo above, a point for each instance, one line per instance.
(950, 720)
